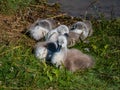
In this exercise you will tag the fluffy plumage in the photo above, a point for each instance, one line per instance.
(83, 28)
(45, 50)
(53, 34)
(72, 59)
(77, 60)
(40, 28)
(59, 56)
(72, 38)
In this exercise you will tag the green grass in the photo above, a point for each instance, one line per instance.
(19, 69)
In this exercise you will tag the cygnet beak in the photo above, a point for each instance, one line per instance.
(59, 47)
(27, 33)
(73, 27)
(66, 35)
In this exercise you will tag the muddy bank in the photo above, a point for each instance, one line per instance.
(82, 8)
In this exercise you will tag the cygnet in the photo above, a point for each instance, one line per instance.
(72, 59)
(83, 28)
(40, 28)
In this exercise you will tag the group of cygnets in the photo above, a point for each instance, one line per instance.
(53, 42)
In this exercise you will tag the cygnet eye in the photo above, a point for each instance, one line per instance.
(57, 41)
(81, 26)
(59, 31)
(74, 27)
(66, 31)
(37, 27)
(62, 42)
(36, 24)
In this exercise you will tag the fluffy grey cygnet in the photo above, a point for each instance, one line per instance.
(83, 28)
(40, 28)
(72, 59)
(53, 34)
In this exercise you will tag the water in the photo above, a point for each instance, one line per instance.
(81, 8)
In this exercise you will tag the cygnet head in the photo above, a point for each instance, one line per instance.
(38, 33)
(62, 29)
(45, 23)
(39, 29)
(52, 36)
(78, 27)
(62, 41)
